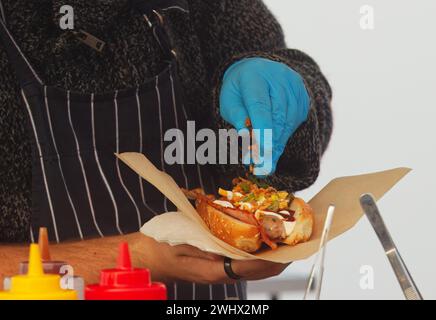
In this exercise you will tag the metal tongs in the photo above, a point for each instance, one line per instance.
(407, 284)
(314, 283)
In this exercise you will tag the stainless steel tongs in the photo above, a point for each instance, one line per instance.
(369, 206)
(314, 283)
(407, 284)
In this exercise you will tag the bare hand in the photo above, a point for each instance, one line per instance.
(257, 269)
(167, 263)
(187, 263)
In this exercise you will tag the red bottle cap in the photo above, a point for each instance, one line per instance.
(125, 282)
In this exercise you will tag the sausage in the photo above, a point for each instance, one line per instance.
(274, 227)
(241, 215)
(238, 214)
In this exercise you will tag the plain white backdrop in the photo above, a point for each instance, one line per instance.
(384, 84)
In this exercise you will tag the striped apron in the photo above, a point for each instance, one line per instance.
(79, 188)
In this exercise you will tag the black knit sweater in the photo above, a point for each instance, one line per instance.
(214, 34)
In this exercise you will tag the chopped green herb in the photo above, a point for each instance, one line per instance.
(245, 186)
(249, 198)
(274, 207)
(257, 182)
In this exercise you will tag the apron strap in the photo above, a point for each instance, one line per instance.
(151, 11)
(24, 70)
(2, 12)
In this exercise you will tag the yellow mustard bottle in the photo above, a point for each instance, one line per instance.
(36, 285)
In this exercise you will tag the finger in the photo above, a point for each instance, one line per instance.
(298, 87)
(304, 101)
(257, 269)
(190, 251)
(256, 97)
(279, 101)
(232, 108)
(200, 270)
(298, 106)
(291, 118)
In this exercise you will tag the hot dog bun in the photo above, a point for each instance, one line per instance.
(304, 222)
(247, 237)
(239, 234)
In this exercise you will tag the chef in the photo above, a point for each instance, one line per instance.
(128, 72)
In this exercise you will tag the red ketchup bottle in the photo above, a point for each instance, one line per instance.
(125, 282)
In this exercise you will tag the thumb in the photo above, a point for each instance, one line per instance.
(190, 251)
(232, 108)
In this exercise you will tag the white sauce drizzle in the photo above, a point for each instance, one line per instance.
(289, 227)
(224, 204)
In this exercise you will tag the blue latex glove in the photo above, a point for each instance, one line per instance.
(272, 96)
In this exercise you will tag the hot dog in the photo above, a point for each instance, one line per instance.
(252, 214)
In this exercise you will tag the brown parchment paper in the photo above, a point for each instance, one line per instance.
(186, 226)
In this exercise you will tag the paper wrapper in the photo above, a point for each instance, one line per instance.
(187, 227)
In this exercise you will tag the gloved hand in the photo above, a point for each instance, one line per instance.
(272, 96)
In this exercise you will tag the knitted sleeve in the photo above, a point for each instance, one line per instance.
(230, 30)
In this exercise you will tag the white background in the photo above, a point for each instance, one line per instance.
(384, 84)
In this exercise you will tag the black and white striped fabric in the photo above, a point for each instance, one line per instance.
(79, 188)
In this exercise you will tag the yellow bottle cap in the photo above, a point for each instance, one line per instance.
(49, 266)
(35, 285)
